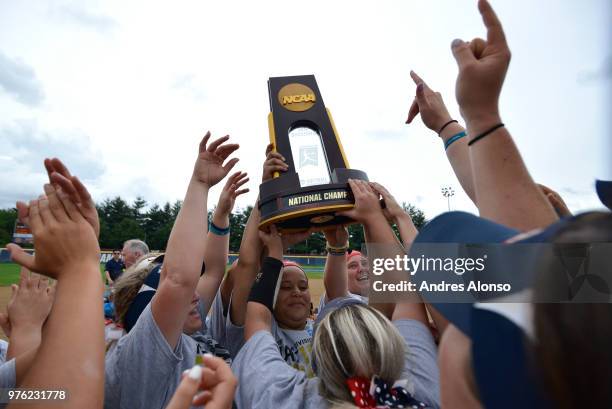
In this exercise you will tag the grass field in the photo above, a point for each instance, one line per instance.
(9, 273)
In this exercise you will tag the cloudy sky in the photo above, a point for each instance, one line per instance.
(123, 91)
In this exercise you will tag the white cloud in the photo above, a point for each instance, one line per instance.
(74, 13)
(26, 146)
(19, 80)
(145, 83)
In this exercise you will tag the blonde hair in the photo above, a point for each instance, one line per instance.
(355, 340)
(127, 286)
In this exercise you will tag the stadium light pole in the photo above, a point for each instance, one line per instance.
(448, 192)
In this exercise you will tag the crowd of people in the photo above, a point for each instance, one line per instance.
(188, 333)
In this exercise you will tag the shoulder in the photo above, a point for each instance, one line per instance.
(264, 378)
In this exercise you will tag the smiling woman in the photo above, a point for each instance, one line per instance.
(291, 326)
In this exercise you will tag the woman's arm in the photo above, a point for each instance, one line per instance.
(335, 275)
(217, 243)
(185, 251)
(395, 214)
(243, 274)
(435, 116)
(368, 212)
(66, 249)
(504, 189)
(263, 293)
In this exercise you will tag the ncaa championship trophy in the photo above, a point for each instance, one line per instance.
(315, 186)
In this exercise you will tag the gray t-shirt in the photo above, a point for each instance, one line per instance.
(295, 346)
(142, 371)
(265, 381)
(3, 350)
(7, 374)
(223, 329)
(8, 377)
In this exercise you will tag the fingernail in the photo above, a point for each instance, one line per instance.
(195, 373)
(456, 43)
(208, 354)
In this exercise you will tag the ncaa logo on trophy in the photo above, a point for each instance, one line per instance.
(315, 186)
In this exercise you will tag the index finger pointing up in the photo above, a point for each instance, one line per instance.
(495, 32)
(417, 80)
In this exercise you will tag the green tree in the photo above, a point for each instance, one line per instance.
(126, 229)
(416, 214)
(7, 225)
(238, 222)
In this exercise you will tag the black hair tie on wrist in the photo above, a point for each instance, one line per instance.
(447, 124)
(482, 135)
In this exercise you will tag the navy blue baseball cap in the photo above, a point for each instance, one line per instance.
(604, 191)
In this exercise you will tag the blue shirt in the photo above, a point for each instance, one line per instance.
(114, 268)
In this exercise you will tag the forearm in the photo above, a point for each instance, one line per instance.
(215, 257)
(406, 229)
(23, 363)
(182, 264)
(505, 192)
(23, 338)
(187, 242)
(82, 363)
(378, 232)
(246, 269)
(458, 156)
(335, 276)
(262, 296)
(250, 245)
(217, 246)
(258, 318)
(243, 278)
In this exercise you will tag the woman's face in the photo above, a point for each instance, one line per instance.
(358, 277)
(293, 300)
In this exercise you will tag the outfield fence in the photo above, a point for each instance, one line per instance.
(302, 259)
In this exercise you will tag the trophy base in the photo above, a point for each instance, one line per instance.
(301, 208)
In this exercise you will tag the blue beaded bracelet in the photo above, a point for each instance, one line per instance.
(217, 230)
(454, 138)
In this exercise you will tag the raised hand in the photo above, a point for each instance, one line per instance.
(29, 305)
(231, 191)
(290, 239)
(392, 210)
(209, 168)
(482, 69)
(60, 177)
(64, 241)
(336, 236)
(430, 104)
(367, 205)
(273, 241)
(275, 162)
